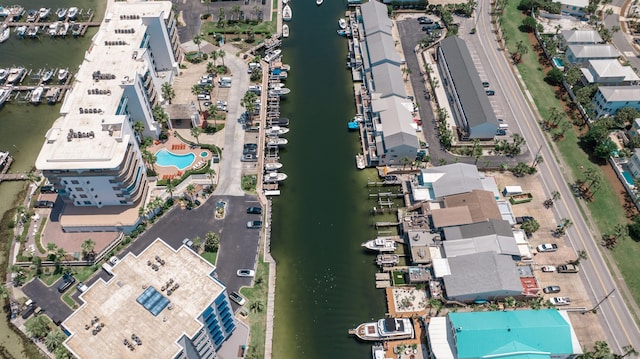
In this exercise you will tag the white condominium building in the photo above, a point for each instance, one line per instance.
(91, 154)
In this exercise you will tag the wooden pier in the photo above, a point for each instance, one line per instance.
(4, 176)
(387, 224)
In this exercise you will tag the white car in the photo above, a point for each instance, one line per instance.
(114, 260)
(236, 297)
(547, 247)
(559, 301)
(548, 268)
(245, 273)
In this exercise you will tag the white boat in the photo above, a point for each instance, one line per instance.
(377, 352)
(5, 33)
(287, 14)
(4, 73)
(285, 30)
(32, 15)
(360, 162)
(274, 177)
(272, 166)
(47, 76)
(278, 90)
(53, 28)
(381, 244)
(16, 12)
(62, 74)
(15, 74)
(276, 142)
(277, 74)
(36, 95)
(32, 31)
(63, 29)
(342, 23)
(385, 329)
(44, 12)
(4, 95)
(319, 2)
(273, 55)
(276, 131)
(72, 13)
(21, 31)
(285, 2)
(61, 13)
(387, 259)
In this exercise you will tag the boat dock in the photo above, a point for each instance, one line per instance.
(53, 91)
(41, 23)
(5, 162)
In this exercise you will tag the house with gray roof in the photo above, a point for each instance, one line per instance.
(375, 18)
(581, 54)
(381, 48)
(609, 73)
(579, 37)
(386, 80)
(572, 7)
(469, 103)
(490, 236)
(439, 182)
(609, 99)
(484, 276)
(396, 139)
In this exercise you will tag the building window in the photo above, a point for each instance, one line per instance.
(123, 202)
(75, 182)
(87, 202)
(83, 196)
(79, 189)
(88, 182)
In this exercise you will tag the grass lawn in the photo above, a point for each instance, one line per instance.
(257, 312)
(606, 210)
(211, 257)
(398, 278)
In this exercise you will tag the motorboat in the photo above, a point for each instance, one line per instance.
(274, 177)
(16, 12)
(381, 244)
(47, 76)
(72, 14)
(32, 31)
(343, 32)
(4, 95)
(32, 15)
(5, 33)
(61, 13)
(287, 14)
(36, 95)
(76, 29)
(378, 352)
(361, 163)
(279, 91)
(3, 74)
(52, 95)
(63, 30)
(62, 74)
(281, 121)
(352, 125)
(21, 31)
(281, 66)
(385, 329)
(273, 55)
(276, 142)
(43, 13)
(276, 131)
(278, 74)
(319, 2)
(53, 28)
(285, 2)
(272, 166)
(15, 75)
(285, 30)
(342, 23)
(387, 259)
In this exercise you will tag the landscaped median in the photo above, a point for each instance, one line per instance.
(605, 209)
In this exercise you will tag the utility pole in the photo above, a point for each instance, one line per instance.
(600, 302)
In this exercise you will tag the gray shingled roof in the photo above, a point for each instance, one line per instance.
(479, 275)
(381, 48)
(596, 51)
(620, 93)
(374, 18)
(581, 36)
(490, 236)
(453, 179)
(468, 86)
(396, 121)
(387, 80)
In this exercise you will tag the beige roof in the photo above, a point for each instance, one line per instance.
(481, 204)
(455, 216)
(114, 304)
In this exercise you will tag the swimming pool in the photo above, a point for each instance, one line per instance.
(165, 158)
(204, 154)
(627, 176)
(559, 63)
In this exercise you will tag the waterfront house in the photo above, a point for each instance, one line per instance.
(609, 99)
(634, 163)
(579, 37)
(543, 334)
(435, 183)
(488, 236)
(581, 54)
(91, 154)
(572, 7)
(468, 101)
(608, 72)
(396, 139)
(162, 303)
(465, 208)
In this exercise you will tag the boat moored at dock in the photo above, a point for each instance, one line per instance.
(385, 329)
(381, 244)
(285, 30)
(32, 15)
(387, 260)
(43, 13)
(72, 14)
(361, 163)
(272, 55)
(274, 177)
(62, 74)
(5, 32)
(287, 14)
(276, 131)
(61, 13)
(4, 73)
(342, 23)
(276, 142)
(279, 90)
(36, 95)
(272, 166)
(21, 31)
(47, 76)
(377, 352)
(15, 75)
(4, 95)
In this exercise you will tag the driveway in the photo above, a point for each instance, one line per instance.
(48, 298)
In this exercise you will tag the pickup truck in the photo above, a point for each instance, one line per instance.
(547, 247)
(559, 301)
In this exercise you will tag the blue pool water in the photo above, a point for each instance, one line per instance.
(558, 62)
(165, 158)
(204, 154)
(628, 177)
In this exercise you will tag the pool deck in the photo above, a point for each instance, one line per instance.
(174, 145)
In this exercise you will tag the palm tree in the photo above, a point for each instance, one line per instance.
(406, 72)
(195, 91)
(213, 113)
(249, 102)
(222, 54)
(160, 116)
(87, 247)
(196, 132)
(51, 247)
(138, 128)
(170, 187)
(236, 10)
(211, 172)
(221, 17)
(54, 339)
(256, 307)
(214, 57)
(211, 68)
(167, 92)
(198, 40)
(191, 189)
(150, 159)
(211, 242)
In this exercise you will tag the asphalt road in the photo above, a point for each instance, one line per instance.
(613, 313)
(621, 40)
(48, 298)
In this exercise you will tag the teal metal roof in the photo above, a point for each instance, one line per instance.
(519, 334)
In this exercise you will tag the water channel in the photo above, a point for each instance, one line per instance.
(325, 281)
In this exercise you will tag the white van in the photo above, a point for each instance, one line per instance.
(503, 126)
(204, 97)
(225, 79)
(107, 268)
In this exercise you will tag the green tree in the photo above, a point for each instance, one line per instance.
(573, 74)
(222, 54)
(625, 116)
(138, 128)
(554, 77)
(529, 23)
(212, 113)
(196, 132)
(168, 93)
(605, 149)
(87, 247)
(62, 353)
(214, 57)
(596, 135)
(54, 339)
(195, 91)
(530, 226)
(170, 187)
(191, 189)
(211, 242)
(150, 159)
(160, 116)
(521, 49)
(198, 40)
(37, 326)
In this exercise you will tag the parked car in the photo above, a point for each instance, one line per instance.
(490, 92)
(551, 289)
(485, 84)
(547, 247)
(249, 157)
(423, 20)
(254, 224)
(82, 287)
(204, 97)
(250, 145)
(548, 268)
(114, 260)
(67, 281)
(207, 104)
(559, 301)
(48, 189)
(254, 210)
(187, 242)
(501, 132)
(236, 297)
(245, 273)
(43, 204)
(521, 220)
(568, 268)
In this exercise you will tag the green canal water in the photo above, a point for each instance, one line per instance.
(22, 126)
(325, 280)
